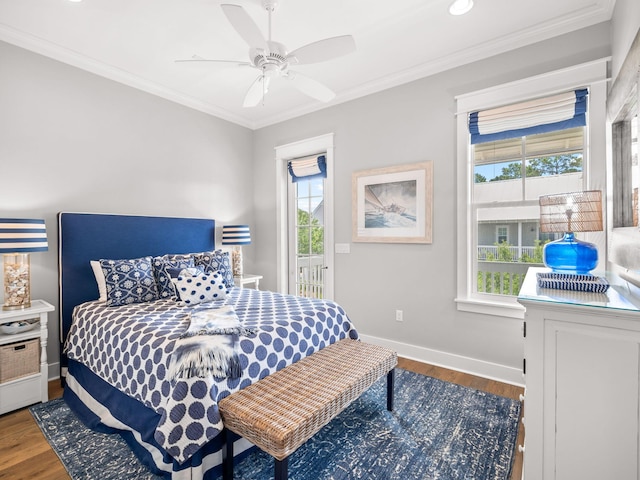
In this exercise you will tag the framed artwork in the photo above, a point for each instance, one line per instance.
(393, 204)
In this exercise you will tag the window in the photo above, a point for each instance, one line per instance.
(502, 234)
(500, 181)
(509, 176)
(308, 255)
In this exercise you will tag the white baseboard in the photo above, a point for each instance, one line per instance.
(452, 361)
(53, 371)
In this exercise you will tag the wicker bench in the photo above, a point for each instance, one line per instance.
(282, 411)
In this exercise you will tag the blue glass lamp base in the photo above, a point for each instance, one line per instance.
(570, 255)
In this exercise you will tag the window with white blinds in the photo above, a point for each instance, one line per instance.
(516, 142)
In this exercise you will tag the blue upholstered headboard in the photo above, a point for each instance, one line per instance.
(83, 237)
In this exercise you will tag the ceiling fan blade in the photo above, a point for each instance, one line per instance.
(324, 50)
(257, 91)
(198, 58)
(311, 87)
(244, 25)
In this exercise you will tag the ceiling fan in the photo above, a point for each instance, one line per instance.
(272, 59)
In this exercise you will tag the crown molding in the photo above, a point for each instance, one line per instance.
(600, 11)
(75, 59)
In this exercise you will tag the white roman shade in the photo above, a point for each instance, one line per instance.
(308, 168)
(542, 115)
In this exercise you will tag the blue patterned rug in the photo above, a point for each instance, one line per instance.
(438, 430)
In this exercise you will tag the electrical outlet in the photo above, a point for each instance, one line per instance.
(398, 315)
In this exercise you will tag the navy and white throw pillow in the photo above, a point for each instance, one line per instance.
(174, 273)
(129, 281)
(217, 261)
(161, 273)
(201, 288)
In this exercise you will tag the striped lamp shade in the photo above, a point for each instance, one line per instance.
(22, 235)
(236, 235)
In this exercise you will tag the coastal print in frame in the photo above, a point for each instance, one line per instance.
(393, 204)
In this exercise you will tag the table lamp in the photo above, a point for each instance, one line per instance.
(236, 235)
(569, 213)
(18, 238)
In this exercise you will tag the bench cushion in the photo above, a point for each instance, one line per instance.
(282, 411)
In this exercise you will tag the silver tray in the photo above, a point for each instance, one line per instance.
(17, 327)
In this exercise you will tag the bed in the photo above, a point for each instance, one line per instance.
(119, 357)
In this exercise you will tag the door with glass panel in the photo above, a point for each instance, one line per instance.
(307, 262)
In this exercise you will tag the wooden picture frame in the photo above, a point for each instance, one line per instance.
(393, 204)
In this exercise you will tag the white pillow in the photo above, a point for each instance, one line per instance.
(200, 288)
(102, 284)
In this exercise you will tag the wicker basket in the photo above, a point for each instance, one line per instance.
(19, 359)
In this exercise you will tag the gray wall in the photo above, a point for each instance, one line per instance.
(625, 23)
(73, 141)
(406, 124)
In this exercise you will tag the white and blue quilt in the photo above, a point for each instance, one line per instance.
(131, 348)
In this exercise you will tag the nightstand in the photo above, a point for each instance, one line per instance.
(246, 279)
(31, 387)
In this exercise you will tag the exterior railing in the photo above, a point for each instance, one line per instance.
(310, 278)
(497, 277)
(490, 252)
(502, 278)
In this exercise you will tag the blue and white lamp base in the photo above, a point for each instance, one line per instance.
(570, 255)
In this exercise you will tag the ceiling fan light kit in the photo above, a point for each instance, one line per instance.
(269, 5)
(273, 59)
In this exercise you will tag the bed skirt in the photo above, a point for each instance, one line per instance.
(103, 408)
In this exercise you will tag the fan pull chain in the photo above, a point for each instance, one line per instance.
(264, 85)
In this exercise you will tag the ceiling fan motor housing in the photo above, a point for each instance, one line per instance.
(274, 59)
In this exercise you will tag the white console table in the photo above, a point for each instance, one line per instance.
(581, 408)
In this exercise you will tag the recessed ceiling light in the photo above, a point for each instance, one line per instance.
(460, 7)
(75, 1)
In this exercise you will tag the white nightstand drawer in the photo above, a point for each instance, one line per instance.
(20, 393)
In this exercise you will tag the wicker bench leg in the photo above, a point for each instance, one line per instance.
(227, 456)
(281, 469)
(390, 382)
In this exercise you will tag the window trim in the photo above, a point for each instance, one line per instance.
(592, 75)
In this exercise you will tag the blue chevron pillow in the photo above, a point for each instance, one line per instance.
(161, 266)
(217, 261)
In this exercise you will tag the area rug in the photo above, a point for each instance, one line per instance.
(438, 430)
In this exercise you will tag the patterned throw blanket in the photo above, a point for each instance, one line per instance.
(209, 346)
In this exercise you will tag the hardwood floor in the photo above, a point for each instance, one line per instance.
(25, 454)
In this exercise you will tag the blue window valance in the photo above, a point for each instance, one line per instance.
(557, 112)
(308, 168)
